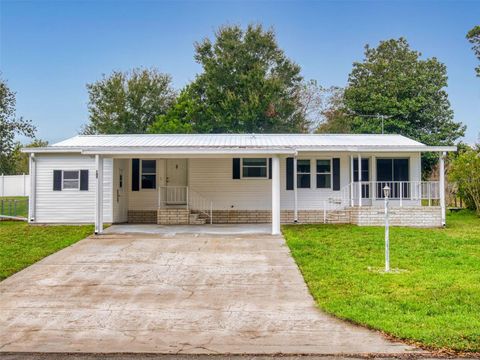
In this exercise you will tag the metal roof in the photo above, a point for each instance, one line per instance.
(232, 143)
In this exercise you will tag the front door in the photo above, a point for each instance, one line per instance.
(176, 181)
(120, 211)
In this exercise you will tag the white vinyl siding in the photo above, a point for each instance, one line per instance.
(212, 178)
(69, 206)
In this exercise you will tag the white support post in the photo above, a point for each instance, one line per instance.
(33, 183)
(275, 195)
(295, 193)
(3, 185)
(99, 194)
(441, 169)
(373, 178)
(359, 180)
(351, 181)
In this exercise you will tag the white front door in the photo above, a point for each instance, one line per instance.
(176, 180)
(120, 206)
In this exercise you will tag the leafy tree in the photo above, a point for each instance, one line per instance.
(19, 160)
(177, 120)
(247, 85)
(336, 119)
(464, 170)
(474, 37)
(10, 126)
(128, 102)
(395, 82)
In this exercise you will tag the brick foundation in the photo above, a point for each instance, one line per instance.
(173, 216)
(425, 216)
(142, 216)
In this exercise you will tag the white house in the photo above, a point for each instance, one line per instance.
(242, 178)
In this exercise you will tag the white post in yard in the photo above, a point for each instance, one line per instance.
(386, 193)
(351, 181)
(99, 194)
(295, 193)
(275, 195)
(441, 169)
(33, 181)
(359, 180)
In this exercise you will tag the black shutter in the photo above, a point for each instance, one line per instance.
(289, 173)
(269, 168)
(84, 180)
(57, 180)
(236, 168)
(135, 174)
(336, 173)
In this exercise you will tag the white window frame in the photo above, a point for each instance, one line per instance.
(251, 166)
(325, 173)
(71, 180)
(141, 173)
(304, 173)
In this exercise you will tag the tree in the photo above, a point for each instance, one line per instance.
(395, 82)
(247, 85)
(10, 127)
(335, 117)
(176, 120)
(474, 37)
(128, 102)
(19, 159)
(465, 172)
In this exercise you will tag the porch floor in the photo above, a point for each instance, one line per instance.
(220, 229)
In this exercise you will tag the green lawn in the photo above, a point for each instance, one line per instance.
(22, 245)
(434, 301)
(14, 206)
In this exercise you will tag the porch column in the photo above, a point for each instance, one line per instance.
(359, 180)
(441, 170)
(33, 182)
(275, 195)
(373, 178)
(99, 194)
(295, 193)
(351, 181)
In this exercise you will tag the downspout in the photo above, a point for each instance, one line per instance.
(33, 185)
(295, 194)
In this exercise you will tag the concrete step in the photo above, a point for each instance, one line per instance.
(196, 220)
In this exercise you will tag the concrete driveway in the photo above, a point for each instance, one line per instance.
(180, 293)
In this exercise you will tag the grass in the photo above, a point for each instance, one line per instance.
(14, 206)
(434, 302)
(22, 245)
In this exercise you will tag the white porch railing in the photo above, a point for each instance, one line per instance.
(198, 203)
(172, 195)
(182, 196)
(427, 191)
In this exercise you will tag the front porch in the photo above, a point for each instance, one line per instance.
(317, 187)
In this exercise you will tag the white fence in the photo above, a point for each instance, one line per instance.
(14, 185)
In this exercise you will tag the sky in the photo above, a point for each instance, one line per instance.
(50, 50)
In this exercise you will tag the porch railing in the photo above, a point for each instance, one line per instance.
(427, 192)
(172, 195)
(182, 196)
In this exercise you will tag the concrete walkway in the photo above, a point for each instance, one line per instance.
(181, 294)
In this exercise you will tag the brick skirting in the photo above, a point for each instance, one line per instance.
(142, 216)
(425, 216)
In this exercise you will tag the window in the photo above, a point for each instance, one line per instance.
(149, 174)
(303, 174)
(324, 174)
(254, 168)
(395, 174)
(71, 179)
(365, 170)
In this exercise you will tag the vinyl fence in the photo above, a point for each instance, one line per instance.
(14, 185)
